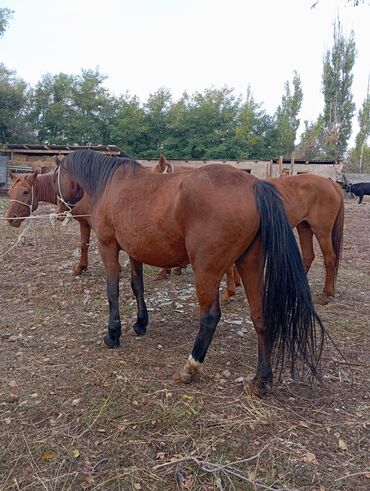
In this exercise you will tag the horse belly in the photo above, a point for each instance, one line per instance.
(154, 248)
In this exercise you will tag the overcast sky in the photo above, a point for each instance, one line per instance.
(142, 45)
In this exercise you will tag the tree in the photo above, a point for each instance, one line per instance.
(360, 156)
(89, 100)
(311, 141)
(53, 110)
(14, 95)
(364, 123)
(126, 125)
(156, 111)
(71, 109)
(5, 16)
(336, 86)
(253, 130)
(286, 119)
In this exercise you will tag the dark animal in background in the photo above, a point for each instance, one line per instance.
(360, 189)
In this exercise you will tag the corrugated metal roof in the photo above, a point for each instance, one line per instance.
(14, 147)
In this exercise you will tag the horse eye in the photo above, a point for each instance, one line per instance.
(25, 193)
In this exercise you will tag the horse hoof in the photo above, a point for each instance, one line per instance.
(78, 270)
(183, 377)
(256, 388)
(251, 390)
(225, 297)
(160, 277)
(322, 299)
(139, 330)
(111, 342)
(189, 372)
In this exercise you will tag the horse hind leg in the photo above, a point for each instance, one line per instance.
(305, 235)
(85, 232)
(230, 289)
(207, 288)
(327, 250)
(250, 270)
(137, 286)
(163, 274)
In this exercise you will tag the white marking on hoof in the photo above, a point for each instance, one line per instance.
(193, 365)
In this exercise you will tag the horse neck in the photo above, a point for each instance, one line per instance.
(45, 188)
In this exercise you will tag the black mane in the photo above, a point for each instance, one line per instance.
(92, 170)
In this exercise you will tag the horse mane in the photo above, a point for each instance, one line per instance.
(93, 169)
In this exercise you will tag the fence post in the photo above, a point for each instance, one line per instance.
(280, 165)
(292, 166)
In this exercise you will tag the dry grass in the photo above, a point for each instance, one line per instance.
(74, 415)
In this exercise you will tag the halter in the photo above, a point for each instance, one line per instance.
(60, 196)
(26, 204)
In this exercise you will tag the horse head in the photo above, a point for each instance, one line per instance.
(163, 166)
(23, 198)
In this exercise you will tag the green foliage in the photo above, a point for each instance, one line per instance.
(13, 108)
(5, 16)
(254, 131)
(336, 86)
(311, 141)
(69, 109)
(286, 119)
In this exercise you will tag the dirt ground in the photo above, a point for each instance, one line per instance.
(75, 415)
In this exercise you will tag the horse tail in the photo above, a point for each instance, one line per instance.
(337, 232)
(293, 330)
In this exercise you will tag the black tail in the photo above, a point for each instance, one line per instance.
(293, 330)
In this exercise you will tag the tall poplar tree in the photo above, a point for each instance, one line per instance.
(337, 81)
(286, 119)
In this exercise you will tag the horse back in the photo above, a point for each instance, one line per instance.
(309, 197)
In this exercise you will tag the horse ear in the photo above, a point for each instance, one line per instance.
(12, 176)
(58, 161)
(32, 178)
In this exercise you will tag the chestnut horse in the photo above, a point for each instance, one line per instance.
(315, 205)
(212, 218)
(26, 192)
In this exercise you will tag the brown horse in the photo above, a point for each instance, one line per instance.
(165, 167)
(213, 217)
(315, 206)
(26, 192)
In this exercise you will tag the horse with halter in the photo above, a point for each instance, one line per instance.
(315, 206)
(212, 218)
(28, 190)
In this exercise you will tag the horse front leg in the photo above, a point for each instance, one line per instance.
(137, 285)
(109, 254)
(85, 232)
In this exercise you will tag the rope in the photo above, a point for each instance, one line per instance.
(19, 239)
(60, 196)
(37, 217)
(53, 220)
(25, 204)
